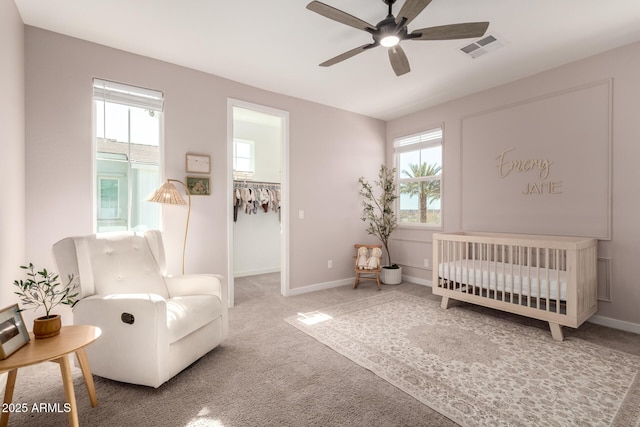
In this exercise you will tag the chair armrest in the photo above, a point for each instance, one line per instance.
(194, 284)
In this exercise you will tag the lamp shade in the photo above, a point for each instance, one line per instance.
(167, 193)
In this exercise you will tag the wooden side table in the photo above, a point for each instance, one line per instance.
(56, 349)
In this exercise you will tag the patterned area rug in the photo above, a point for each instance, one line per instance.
(480, 370)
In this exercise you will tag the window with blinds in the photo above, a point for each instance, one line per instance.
(419, 165)
(127, 123)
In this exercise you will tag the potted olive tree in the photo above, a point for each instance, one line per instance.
(42, 289)
(377, 211)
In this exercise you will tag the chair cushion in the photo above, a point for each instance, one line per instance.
(124, 264)
(189, 313)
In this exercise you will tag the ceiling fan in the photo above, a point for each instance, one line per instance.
(392, 30)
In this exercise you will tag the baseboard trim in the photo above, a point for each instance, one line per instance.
(615, 324)
(349, 281)
(416, 280)
(256, 272)
(320, 286)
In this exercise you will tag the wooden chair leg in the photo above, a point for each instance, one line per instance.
(378, 280)
(355, 283)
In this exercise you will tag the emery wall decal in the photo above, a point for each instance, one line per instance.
(539, 170)
(540, 166)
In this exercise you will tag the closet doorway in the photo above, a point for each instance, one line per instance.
(258, 196)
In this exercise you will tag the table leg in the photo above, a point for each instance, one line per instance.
(69, 394)
(8, 395)
(88, 378)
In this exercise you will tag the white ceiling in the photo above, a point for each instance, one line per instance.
(277, 44)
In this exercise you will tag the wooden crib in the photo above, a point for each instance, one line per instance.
(550, 278)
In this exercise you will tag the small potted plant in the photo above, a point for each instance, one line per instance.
(378, 212)
(42, 289)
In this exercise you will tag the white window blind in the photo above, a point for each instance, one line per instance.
(426, 138)
(118, 93)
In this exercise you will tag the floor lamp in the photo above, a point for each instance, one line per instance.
(168, 194)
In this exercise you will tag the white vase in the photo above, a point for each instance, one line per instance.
(391, 276)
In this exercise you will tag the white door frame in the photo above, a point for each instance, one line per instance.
(284, 190)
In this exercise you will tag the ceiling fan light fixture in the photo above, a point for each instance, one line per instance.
(390, 40)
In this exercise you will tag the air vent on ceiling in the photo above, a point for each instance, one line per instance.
(486, 44)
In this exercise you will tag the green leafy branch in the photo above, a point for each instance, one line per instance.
(378, 210)
(42, 289)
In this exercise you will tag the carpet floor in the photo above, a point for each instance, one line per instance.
(266, 373)
(479, 370)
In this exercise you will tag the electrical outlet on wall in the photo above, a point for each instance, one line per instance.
(330, 264)
(426, 263)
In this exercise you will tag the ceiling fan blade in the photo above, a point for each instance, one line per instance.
(399, 61)
(347, 55)
(338, 15)
(410, 9)
(450, 32)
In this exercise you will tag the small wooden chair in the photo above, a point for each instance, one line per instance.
(375, 272)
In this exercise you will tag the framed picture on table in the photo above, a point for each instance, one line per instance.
(13, 333)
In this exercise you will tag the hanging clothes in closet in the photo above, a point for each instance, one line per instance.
(252, 197)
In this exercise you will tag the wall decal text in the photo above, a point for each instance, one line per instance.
(541, 168)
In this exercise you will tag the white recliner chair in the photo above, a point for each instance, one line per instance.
(153, 325)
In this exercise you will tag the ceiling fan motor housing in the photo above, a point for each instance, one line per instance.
(388, 27)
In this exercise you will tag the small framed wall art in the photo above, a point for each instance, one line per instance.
(198, 186)
(198, 163)
(13, 333)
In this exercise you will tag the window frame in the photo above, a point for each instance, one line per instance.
(428, 138)
(132, 97)
(252, 158)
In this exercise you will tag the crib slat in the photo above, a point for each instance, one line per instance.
(457, 255)
(473, 265)
(451, 278)
(481, 257)
(494, 256)
(547, 265)
(530, 287)
(492, 259)
(504, 282)
(444, 251)
(521, 265)
(513, 284)
(558, 281)
(533, 284)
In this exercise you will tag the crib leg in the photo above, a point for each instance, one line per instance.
(444, 303)
(556, 331)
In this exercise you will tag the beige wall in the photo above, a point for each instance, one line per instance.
(622, 251)
(329, 150)
(12, 208)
